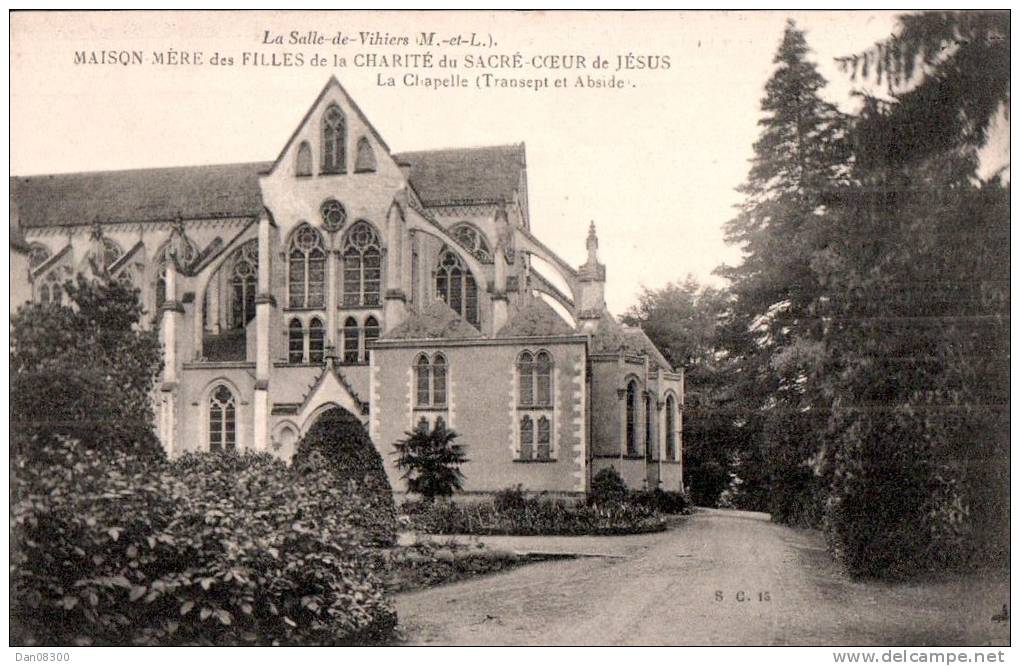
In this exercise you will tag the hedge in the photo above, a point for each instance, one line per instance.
(208, 550)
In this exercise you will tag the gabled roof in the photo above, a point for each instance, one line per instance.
(464, 176)
(536, 318)
(139, 195)
(437, 321)
(640, 341)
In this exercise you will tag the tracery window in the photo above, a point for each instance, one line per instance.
(222, 420)
(457, 287)
(670, 428)
(350, 340)
(243, 277)
(364, 161)
(303, 162)
(631, 421)
(51, 291)
(473, 240)
(362, 255)
(316, 341)
(306, 268)
(37, 255)
(334, 137)
(295, 341)
(430, 381)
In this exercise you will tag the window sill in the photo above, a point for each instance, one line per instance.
(535, 408)
(342, 172)
(368, 306)
(534, 460)
(313, 308)
(423, 408)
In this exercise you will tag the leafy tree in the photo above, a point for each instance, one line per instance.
(86, 371)
(800, 159)
(431, 461)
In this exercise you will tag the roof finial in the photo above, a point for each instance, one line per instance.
(593, 244)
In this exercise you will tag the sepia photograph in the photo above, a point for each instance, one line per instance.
(510, 328)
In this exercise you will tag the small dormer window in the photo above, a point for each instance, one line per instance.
(334, 137)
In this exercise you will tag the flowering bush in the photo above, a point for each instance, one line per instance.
(208, 550)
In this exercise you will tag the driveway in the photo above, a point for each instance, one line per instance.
(719, 578)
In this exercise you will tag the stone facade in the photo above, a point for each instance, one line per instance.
(397, 286)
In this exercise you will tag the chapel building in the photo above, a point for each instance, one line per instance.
(399, 287)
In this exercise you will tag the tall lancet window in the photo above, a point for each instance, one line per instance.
(243, 278)
(307, 268)
(362, 266)
(222, 420)
(456, 285)
(334, 138)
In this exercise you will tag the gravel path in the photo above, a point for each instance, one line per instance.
(720, 578)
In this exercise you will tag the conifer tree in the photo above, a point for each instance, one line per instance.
(799, 161)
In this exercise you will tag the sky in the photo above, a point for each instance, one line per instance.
(654, 165)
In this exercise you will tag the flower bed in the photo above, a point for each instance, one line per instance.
(427, 564)
(532, 516)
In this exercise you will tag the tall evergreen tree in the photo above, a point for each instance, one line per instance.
(799, 160)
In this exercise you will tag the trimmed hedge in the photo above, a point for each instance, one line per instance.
(514, 513)
(208, 550)
(349, 455)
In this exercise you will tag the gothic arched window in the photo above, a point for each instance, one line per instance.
(473, 240)
(350, 340)
(334, 136)
(423, 381)
(362, 256)
(364, 161)
(439, 381)
(371, 333)
(316, 341)
(306, 270)
(37, 255)
(649, 416)
(543, 379)
(222, 420)
(303, 163)
(295, 341)
(243, 277)
(670, 428)
(526, 378)
(631, 422)
(457, 287)
(50, 291)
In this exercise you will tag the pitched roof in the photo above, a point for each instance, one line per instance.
(612, 336)
(139, 195)
(435, 321)
(461, 176)
(536, 318)
(18, 242)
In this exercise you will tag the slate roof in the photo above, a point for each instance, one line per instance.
(139, 195)
(464, 176)
(440, 177)
(611, 336)
(537, 318)
(435, 321)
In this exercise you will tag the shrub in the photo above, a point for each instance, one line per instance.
(663, 501)
(607, 487)
(510, 499)
(431, 462)
(337, 441)
(532, 516)
(208, 550)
